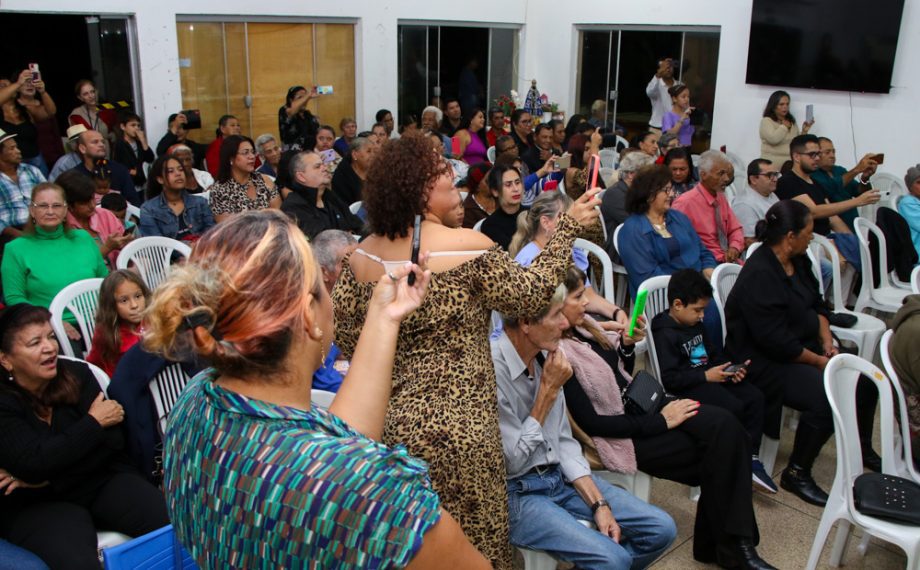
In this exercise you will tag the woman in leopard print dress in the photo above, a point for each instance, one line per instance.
(443, 406)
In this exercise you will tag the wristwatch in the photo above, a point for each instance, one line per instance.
(599, 504)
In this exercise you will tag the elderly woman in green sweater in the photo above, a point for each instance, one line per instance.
(49, 256)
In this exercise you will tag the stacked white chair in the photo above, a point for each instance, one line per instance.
(886, 297)
(152, 256)
(620, 270)
(723, 279)
(609, 158)
(840, 378)
(868, 329)
(82, 300)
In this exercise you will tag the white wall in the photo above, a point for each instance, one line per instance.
(549, 51)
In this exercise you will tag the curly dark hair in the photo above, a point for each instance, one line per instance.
(649, 181)
(397, 184)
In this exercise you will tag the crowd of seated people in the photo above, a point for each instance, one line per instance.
(252, 309)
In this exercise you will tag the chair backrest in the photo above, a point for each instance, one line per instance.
(622, 142)
(153, 551)
(152, 256)
(609, 157)
(752, 248)
(478, 225)
(616, 238)
(322, 398)
(730, 192)
(82, 300)
(101, 377)
(490, 154)
(891, 188)
(605, 287)
(165, 389)
(656, 302)
(915, 280)
(608, 174)
(695, 159)
(723, 279)
(815, 267)
(740, 169)
(840, 378)
(863, 228)
(355, 206)
(825, 246)
(905, 466)
(463, 195)
(133, 211)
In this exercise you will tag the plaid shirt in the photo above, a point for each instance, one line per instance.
(15, 198)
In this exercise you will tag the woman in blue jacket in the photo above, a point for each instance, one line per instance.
(170, 210)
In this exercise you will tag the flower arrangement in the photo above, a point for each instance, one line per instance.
(506, 103)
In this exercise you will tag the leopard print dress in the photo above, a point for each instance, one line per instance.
(443, 406)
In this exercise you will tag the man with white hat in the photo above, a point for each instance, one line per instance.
(16, 182)
(72, 158)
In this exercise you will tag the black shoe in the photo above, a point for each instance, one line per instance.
(799, 482)
(741, 554)
(871, 460)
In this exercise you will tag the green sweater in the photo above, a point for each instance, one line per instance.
(37, 266)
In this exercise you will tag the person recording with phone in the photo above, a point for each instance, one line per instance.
(657, 92)
(677, 120)
(177, 133)
(840, 184)
(296, 123)
(27, 110)
(443, 405)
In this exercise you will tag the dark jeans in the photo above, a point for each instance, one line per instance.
(744, 400)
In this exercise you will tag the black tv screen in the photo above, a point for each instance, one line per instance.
(843, 45)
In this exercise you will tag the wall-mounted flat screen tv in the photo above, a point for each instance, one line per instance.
(842, 45)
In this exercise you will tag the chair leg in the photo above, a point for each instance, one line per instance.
(768, 449)
(537, 560)
(695, 494)
(642, 486)
(840, 543)
(824, 528)
(864, 543)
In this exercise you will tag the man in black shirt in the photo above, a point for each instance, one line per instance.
(452, 116)
(537, 155)
(798, 185)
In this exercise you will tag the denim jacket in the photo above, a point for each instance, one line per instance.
(158, 220)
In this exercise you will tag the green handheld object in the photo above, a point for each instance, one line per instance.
(638, 309)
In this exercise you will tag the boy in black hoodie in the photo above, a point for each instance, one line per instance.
(692, 365)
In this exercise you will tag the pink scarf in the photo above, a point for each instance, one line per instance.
(600, 384)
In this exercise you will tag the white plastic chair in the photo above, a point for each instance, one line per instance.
(490, 154)
(355, 206)
(478, 226)
(723, 279)
(620, 271)
(904, 464)
(891, 188)
(730, 192)
(82, 300)
(322, 398)
(152, 257)
(165, 389)
(915, 280)
(101, 377)
(655, 303)
(695, 159)
(609, 158)
(463, 195)
(840, 378)
(133, 211)
(605, 287)
(885, 297)
(740, 169)
(868, 329)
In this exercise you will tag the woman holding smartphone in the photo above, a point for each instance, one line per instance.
(778, 127)
(443, 406)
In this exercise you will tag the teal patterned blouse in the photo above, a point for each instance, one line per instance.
(255, 485)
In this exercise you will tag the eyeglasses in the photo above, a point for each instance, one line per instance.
(813, 155)
(56, 206)
(770, 175)
(246, 152)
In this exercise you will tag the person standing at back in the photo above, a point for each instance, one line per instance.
(657, 92)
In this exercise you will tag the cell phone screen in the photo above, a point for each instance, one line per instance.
(416, 244)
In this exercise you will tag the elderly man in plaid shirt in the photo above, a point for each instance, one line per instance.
(16, 182)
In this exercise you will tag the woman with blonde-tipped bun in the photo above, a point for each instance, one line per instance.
(244, 437)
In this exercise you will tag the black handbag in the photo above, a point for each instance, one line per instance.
(887, 497)
(644, 395)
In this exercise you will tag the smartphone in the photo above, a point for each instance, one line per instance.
(564, 161)
(192, 118)
(36, 74)
(879, 158)
(809, 113)
(638, 309)
(328, 155)
(324, 89)
(416, 244)
(455, 146)
(735, 368)
(594, 167)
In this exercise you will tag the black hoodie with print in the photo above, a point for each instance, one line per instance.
(684, 353)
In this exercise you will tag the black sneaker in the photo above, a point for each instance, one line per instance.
(760, 476)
